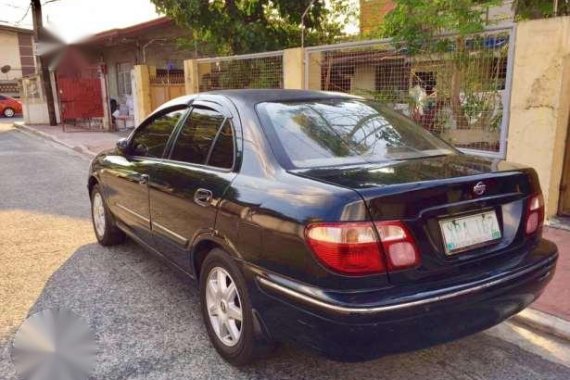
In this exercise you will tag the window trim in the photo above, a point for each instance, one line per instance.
(176, 134)
(151, 119)
(218, 133)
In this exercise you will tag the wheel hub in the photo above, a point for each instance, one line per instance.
(224, 306)
(98, 212)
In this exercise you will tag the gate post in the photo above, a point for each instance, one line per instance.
(191, 77)
(313, 70)
(142, 95)
(294, 68)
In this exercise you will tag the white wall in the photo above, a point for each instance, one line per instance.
(10, 55)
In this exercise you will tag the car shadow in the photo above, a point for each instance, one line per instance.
(148, 325)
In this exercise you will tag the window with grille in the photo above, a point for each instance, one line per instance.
(124, 78)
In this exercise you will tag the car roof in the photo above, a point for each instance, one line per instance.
(252, 97)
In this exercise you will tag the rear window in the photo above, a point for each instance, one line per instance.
(344, 132)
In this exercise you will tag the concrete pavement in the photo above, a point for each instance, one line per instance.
(87, 142)
(147, 321)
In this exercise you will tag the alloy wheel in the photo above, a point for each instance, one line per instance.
(224, 306)
(98, 212)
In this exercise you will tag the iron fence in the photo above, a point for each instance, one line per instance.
(261, 70)
(457, 88)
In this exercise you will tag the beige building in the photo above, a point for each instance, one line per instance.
(16, 58)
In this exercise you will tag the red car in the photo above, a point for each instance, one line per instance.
(9, 107)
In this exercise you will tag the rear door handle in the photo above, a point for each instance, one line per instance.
(143, 179)
(203, 197)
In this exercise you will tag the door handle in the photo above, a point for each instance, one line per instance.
(203, 197)
(143, 179)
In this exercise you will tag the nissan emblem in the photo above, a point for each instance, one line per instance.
(479, 188)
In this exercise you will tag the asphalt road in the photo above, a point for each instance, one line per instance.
(147, 320)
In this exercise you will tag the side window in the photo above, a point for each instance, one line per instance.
(222, 155)
(150, 140)
(197, 136)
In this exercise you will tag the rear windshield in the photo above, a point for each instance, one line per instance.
(336, 132)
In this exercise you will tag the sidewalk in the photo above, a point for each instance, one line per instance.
(556, 298)
(87, 142)
(550, 313)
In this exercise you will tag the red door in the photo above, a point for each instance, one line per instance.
(80, 95)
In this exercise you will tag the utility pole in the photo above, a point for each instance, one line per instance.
(42, 63)
(303, 22)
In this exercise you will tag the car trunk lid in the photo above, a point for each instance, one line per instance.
(424, 192)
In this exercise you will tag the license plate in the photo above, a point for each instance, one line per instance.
(460, 234)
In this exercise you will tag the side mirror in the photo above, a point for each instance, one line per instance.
(122, 145)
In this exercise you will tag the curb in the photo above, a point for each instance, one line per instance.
(77, 148)
(557, 223)
(543, 322)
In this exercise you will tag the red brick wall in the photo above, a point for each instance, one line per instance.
(372, 13)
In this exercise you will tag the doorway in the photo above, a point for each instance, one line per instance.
(564, 203)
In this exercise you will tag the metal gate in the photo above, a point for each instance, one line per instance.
(461, 94)
(80, 97)
(166, 85)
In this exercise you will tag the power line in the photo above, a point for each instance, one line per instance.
(25, 14)
(12, 6)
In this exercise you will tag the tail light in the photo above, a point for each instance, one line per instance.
(360, 248)
(534, 214)
(399, 245)
(348, 248)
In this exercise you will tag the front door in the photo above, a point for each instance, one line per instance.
(129, 174)
(186, 189)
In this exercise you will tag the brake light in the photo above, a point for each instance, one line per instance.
(349, 248)
(353, 248)
(535, 214)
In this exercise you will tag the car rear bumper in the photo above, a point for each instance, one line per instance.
(347, 331)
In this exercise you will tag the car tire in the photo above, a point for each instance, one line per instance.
(9, 112)
(104, 225)
(240, 351)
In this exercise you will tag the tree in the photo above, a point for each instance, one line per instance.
(418, 26)
(417, 22)
(533, 9)
(249, 26)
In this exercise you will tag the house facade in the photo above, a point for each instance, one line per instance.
(16, 58)
(154, 43)
(91, 79)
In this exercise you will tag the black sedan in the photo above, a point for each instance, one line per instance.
(326, 220)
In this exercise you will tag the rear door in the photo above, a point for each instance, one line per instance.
(189, 184)
(128, 176)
